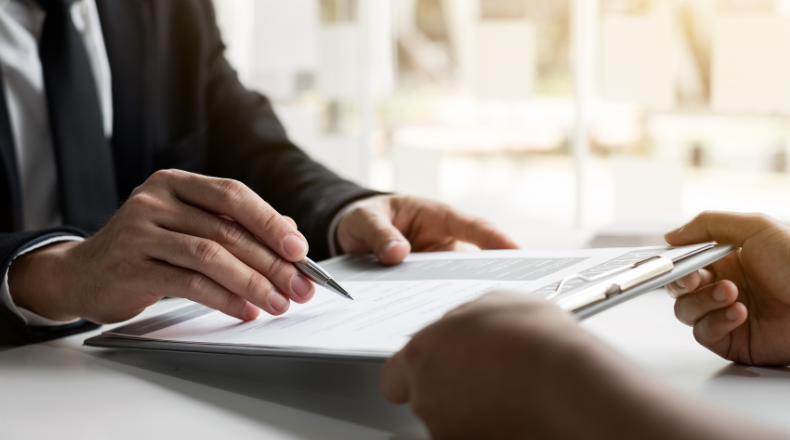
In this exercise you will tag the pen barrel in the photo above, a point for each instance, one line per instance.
(312, 271)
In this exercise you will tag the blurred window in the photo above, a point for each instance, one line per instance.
(472, 102)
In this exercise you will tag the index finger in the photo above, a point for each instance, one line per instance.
(721, 227)
(478, 232)
(234, 199)
(394, 382)
(689, 283)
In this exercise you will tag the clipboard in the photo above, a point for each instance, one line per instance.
(619, 285)
(599, 293)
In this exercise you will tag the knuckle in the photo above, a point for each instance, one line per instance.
(230, 233)
(231, 191)
(206, 252)
(362, 214)
(268, 221)
(161, 177)
(138, 189)
(275, 267)
(683, 311)
(699, 335)
(412, 354)
(476, 224)
(290, 221)
(762, 218)
(231, 302)
(482, 223)
(706, 217)
(679, 311)
(195, 283)
(383, 236)
(254, 283)
(144, 202)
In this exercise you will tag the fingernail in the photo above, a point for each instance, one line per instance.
(388, 247)
(251, 312)
(278, 301)
(295, 247)
(301, 286)
(680, 284)
(675, 231)
(731, 314)
(719, 294)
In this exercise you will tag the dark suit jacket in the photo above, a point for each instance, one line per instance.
(177, 103)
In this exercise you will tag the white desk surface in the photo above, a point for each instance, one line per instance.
(62, 390)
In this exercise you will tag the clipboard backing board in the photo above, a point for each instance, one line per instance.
(681, 268)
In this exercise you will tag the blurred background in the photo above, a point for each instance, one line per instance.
(569, 123)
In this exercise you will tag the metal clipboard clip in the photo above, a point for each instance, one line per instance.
(622, 279)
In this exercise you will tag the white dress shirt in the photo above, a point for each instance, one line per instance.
(20, 27)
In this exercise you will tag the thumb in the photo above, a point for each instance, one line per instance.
(383, 238)
(721, 227)
(393, 382)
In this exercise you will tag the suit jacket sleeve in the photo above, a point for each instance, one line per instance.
(14, 331)
(248, 143)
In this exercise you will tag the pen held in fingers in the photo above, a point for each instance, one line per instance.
(319, 276)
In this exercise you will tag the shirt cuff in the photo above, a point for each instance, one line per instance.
(30, 318)
(334, 246)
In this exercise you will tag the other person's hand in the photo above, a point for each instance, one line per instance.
(740, 305)
(509, 366)
(392, 226)
(483, 369)
(213, 241)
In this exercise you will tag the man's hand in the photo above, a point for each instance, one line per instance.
(213, 241)
(392, 226)
(740, 305)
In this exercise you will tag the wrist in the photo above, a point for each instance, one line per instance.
(603, 395)
(39, 282)
(588, 382)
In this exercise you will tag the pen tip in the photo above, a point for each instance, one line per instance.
(332, 284)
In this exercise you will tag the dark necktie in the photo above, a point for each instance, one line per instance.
(85, 166)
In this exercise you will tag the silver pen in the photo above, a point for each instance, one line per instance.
(319, 276)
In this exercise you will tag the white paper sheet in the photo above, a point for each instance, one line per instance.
(391, 303)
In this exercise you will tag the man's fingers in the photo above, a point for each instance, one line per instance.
(721, 227)
(478, 232)
(214, 261)
(291, 221)
(242, 244)
(237, 201)
(714, 330)
(394, 382)
(690, 283)
(163, 279)
(691, 307)
(384, 239)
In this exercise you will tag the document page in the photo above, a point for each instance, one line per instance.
(391, 303)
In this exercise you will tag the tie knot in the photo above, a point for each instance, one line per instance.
(55, 5)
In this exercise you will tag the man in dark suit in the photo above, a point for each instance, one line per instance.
(107, 141)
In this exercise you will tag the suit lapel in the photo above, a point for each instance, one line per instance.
(10, 204)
